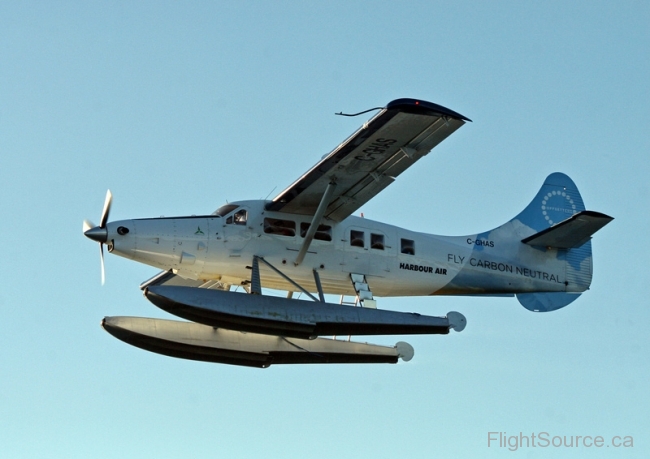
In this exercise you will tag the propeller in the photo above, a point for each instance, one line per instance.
(100, 233)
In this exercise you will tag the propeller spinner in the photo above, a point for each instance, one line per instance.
(100, 233)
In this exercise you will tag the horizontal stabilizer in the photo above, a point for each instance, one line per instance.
(570, 233)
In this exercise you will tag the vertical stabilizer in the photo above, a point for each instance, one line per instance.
(557, 200)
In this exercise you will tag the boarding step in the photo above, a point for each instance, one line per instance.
(364, 295)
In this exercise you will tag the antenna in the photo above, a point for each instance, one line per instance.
(360, 113)
(267, 196)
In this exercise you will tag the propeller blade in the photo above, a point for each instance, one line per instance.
(88, 225)
(101, 255)
(107, 209)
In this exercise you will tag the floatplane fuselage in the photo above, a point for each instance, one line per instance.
(395, 261)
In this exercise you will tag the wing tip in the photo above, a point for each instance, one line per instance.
(422, 106)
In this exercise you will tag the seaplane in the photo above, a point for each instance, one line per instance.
(307, 242)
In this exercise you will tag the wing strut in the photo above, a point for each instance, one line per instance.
(256, 281)
(287, 278)
(315, 222)
(319, 287)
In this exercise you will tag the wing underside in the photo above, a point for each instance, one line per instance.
(370, 159)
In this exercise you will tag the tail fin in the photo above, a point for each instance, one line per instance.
(543, 254)
(558, 200)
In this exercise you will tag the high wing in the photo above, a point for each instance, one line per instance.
(370, 159)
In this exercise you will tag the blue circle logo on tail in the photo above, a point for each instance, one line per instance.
(557, 206)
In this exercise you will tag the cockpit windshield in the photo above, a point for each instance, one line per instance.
(224, 210)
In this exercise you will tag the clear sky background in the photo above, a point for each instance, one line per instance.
(180, 106)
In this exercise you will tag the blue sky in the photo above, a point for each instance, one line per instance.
(180, 106)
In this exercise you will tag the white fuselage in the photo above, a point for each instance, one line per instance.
(395, 261)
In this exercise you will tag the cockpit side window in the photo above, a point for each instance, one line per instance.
(238, 218)
(241, 217)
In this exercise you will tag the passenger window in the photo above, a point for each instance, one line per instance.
(408, 247)
(281, 227)
(323, 233)
(238, 218)
(356, 238)
(377, 241)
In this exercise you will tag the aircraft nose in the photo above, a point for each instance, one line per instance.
(97, 234)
